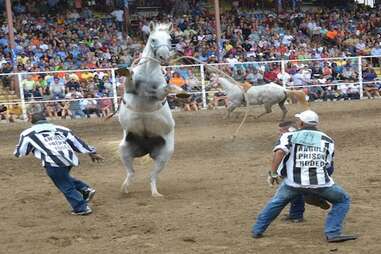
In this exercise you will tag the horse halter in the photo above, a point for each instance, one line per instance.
(155, 46)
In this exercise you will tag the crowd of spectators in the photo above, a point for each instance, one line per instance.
(79, 38)
(293, 36)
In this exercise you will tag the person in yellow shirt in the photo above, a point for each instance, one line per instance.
(15, 112)
(23, 59)
(228, 46)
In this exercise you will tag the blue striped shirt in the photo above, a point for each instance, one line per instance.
(54, 145)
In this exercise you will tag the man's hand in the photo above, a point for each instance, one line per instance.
(273, 178)
(96, 157)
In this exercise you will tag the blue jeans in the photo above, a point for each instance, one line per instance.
(297, 208)
(339, 199)
(69, 186)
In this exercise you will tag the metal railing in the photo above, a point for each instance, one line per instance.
(200, 75)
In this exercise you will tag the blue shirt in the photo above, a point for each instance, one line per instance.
(3, 42)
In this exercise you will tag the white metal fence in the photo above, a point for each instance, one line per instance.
(196, 80)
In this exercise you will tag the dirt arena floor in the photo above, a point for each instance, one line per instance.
(213, 187)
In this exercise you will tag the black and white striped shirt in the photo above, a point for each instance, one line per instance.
(54, 145)
(309, 158)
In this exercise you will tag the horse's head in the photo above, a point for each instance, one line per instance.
(214, 80)
(160, 41)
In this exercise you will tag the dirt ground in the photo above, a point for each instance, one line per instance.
(213, 188)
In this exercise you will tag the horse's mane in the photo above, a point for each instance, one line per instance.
(246, 86)
(161, 27)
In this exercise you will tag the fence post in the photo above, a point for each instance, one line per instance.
(22, 98)
(113, 80)
(202, 73)
(283, 70)
(360, 76)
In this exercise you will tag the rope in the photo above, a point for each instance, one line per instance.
(230, 78)
(133, 65)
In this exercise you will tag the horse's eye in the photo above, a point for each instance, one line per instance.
(153, 41)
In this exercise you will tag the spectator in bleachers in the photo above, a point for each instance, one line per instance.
(299, 79)
(72, 84)
(51, 110)
(57, 89)
(75, 109)
(14, 112)
(3, 112)
(329, 93)
(239, 73)
(105, 105)
(33, 107)
(219, 96)
(29, 85)
(190, 104)
(62, 109)
(177, 80)
(348, 73)
(371, 89)
(327, 72)
(254, 76)
(376, 52)
(353, 92)
(90, 106)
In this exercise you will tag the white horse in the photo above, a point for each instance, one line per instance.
(145, 116)
(268, 95)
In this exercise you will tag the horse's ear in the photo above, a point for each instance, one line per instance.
(170, 27)
(152, 26)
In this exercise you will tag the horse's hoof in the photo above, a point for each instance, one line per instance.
(157, 195)
(123, 188)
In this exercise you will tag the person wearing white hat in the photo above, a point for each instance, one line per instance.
(304, 160)
(297, 205)
(308, 117)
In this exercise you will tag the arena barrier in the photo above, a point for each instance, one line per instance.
(195, 77)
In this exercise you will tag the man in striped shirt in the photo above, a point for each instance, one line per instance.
(55, 146)
(297, 205)
(303, 158)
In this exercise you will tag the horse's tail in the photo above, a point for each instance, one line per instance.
(117, 110)
(300, 96)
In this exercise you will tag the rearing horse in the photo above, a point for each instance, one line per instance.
(145, 116)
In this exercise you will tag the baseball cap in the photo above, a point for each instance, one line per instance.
(308, 117)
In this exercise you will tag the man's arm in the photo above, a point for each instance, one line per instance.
(80, 146)
(280, 150)
(277, 159)
(23, 148)
(330, 159)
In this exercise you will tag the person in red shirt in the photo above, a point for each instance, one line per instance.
(272, 75)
